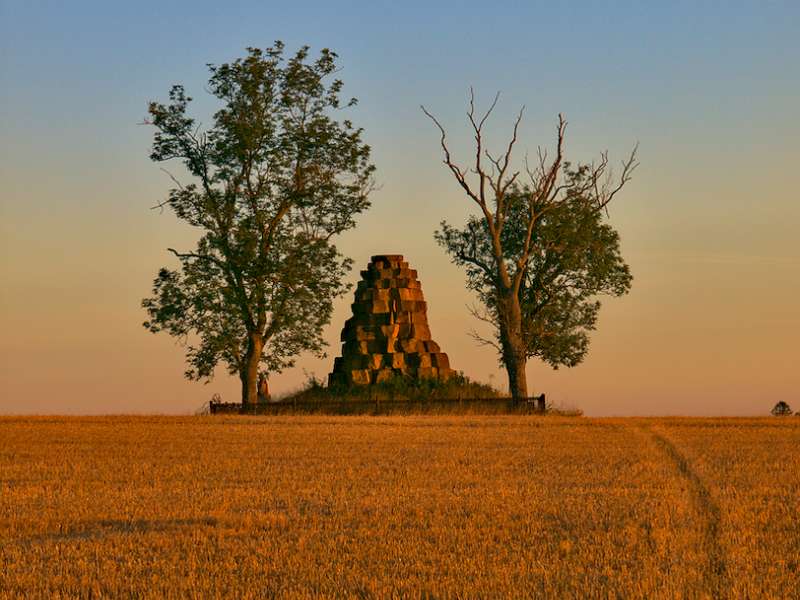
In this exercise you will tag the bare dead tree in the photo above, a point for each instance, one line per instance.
(498, 253)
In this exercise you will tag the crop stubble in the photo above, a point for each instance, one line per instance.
(399, 506)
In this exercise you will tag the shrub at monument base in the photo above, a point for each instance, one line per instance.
(404, 395)
(400, 395)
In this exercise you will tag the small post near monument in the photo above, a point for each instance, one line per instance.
(263, 389)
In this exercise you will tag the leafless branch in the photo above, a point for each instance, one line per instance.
(207, 257)
(483, 341)
(164, 203)
(173, 178)
(457, 172)
(160, 205)
(482, 315)
(544, 193)
(607, 192)
(478, 130)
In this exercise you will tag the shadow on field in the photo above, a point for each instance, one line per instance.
(98, 529)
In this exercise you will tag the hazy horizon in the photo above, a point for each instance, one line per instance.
(708, 224)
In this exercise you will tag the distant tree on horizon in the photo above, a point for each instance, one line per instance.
(538, 253)
(781, 409)
(273, 179)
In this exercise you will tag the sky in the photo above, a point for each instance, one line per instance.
(709, 90)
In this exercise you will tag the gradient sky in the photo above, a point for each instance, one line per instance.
(711, 91)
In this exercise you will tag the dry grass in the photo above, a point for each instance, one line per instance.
(399, 506)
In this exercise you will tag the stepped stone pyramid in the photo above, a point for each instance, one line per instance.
(388, 333)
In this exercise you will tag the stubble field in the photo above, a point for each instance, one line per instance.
(168, 507)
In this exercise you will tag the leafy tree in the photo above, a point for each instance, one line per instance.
(273, 179)
(537, 254)
(781, 409)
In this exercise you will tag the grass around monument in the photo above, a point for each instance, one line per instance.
(399, 388)
(408, 395)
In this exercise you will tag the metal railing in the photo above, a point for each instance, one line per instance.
(533, 404)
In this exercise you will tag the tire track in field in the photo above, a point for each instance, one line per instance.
(707, 508)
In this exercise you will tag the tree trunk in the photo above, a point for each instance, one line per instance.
(517, 378)
(249, 375)
(514, 356)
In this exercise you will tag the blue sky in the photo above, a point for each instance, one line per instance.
(709, 89)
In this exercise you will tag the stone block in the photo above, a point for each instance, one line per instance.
(374, 361)
(376, 320)
(374, 274)
(440, 360)
(396, 360)
(445, 374)
(409, 284)
(337, 378)
(360, 376)
(397, 330)
(358, 333)
(374, 346)
(369, 294)
(387, 258)
(431, 346)
(406, 316)
(406, 294)
(383, 375)
(348, 348)
(409, 345)
(417, 306)
(353, 362)
(380, 306)
(370, 307)
(388, 332)
(420, 331)
(427, 373)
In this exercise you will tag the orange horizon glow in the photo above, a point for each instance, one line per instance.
(708, 223)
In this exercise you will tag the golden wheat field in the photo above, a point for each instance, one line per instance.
(518, 506)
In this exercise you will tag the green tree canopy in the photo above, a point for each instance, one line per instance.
(575, 257)
(537, 254)
(271, 182)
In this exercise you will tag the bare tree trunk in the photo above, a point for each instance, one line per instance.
(249, 375)
(513, 349)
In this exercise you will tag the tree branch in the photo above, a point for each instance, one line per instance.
(482, 315)
(541, 194)
(207, 257)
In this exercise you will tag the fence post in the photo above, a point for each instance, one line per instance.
(541, 405)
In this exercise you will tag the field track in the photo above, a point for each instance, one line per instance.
(427, 506)
(708, 515)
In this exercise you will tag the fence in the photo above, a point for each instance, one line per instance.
(534, 404)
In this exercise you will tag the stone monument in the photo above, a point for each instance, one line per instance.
(388, 333)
